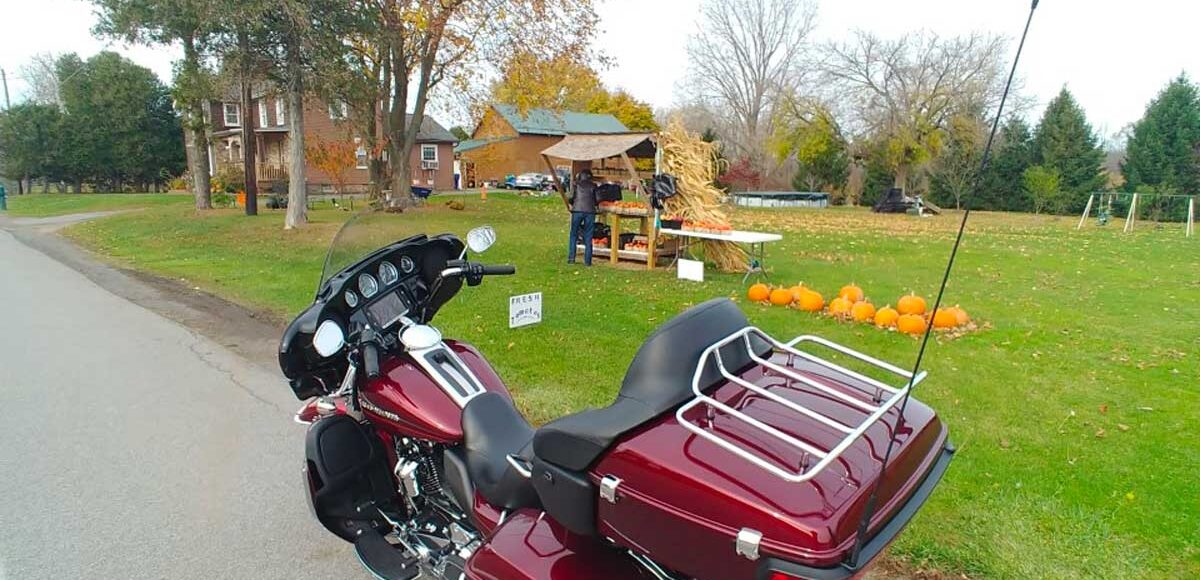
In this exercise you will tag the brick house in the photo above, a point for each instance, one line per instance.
(506, 142)
(431, 162)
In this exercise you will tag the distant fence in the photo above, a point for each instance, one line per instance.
(781, 199)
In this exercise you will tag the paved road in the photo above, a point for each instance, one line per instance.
(132, 447)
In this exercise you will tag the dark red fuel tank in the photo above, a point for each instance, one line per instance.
(409, 403)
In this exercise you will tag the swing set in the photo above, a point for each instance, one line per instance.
(1104, 201)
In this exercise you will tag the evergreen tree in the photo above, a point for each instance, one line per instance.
(1001, 187)
(1162, 151)
(1065, 142)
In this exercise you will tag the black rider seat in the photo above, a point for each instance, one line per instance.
(658, 379)
(492, 430)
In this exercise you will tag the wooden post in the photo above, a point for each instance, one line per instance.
(1191, 220)
(1086, 211)
(1129, 219)
(614, 237)
(562, 190)
(649, 224)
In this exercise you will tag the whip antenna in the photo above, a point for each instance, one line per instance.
(869, 512)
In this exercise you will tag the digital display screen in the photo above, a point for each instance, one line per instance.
(387, 310)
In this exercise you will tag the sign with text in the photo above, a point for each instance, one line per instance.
(524, 310)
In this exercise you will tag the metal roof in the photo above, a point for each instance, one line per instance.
(470, 144)
(550, 122)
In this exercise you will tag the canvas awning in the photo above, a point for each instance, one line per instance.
(592, 147)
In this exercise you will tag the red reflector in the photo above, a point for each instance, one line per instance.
(782, 576)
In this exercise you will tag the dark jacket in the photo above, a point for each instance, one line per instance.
(583, 197)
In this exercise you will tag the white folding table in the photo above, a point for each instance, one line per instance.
(756, 241)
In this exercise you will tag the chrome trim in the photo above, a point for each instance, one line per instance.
(887, 397)
(747, 542)
(465, 385)
(608, 488)
(520, 465)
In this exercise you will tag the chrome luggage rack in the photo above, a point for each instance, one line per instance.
(883, 399)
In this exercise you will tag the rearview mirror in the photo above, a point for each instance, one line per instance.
(329, 339)
(481, 238)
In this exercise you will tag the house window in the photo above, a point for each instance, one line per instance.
(280, 112)
(233, 116)
(360, 157)
(339, 110)
(262, 113)
(429, 153)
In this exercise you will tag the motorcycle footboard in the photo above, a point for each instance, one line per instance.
(383, 559)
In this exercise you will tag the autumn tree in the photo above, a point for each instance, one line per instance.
(167, 22)
(562, 81)
(425, 45)
(904, 92)
(953, 172)
(333, 157)
(746, 54)
(807, 132)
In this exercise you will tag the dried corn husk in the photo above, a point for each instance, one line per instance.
(694, 164)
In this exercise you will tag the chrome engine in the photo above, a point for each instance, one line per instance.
(434, 529)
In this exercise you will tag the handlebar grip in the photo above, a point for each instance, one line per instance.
(370, 356)
(499, 270)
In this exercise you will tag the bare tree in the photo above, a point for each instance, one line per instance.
(40, 73)
(746, 54)
(903, 92)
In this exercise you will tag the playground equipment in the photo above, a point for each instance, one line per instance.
(1103, 202)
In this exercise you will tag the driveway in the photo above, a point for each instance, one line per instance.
(134, 447)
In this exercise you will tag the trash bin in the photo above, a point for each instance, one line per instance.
(3, 198)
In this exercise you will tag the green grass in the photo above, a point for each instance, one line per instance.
(1074, 407)
(54, 204)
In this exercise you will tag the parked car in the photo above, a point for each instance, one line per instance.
(510, 182)
(529, 181)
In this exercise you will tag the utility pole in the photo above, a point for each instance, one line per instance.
(4, 78)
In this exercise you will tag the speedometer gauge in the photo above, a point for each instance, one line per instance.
(388, 273)
(407, 265)
(351, 298)
(367, 285)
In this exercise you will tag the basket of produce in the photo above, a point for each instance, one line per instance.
(707, 227)
(625, 207)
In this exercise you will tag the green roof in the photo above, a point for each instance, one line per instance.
(549, 122)
(469, 144)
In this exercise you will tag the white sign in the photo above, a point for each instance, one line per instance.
(524, 310)
(691, 270)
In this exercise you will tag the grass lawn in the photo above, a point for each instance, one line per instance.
(1074, 407)
(52, 204)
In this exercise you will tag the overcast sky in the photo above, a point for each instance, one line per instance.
(1114, 56)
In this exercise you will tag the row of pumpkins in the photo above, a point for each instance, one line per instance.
(909, 316)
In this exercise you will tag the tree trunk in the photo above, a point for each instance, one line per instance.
(297, 210)
(901, 177)
(247, 118)
(196, 133)
(45, 185)
(77, 186)
(21, 185)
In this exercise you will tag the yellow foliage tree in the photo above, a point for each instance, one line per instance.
(333, 157)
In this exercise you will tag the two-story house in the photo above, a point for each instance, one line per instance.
(431, 162)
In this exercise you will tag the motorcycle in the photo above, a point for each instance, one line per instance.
(726, 454)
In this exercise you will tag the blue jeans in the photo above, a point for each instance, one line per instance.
(587, 222)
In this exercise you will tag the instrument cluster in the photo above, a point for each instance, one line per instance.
(380, 290)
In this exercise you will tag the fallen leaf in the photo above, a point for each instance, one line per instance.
(1122, 426)
(1005, 444)
(1100, 434)
(1130, 497)
(1103, 409)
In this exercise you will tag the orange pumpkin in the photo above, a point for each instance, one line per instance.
(796, 291)
(758, 292)
(911, 304)
(811, 301)
(960, 316)
(862, 311)
(911, 324)
(840, 306)
(781, 297)
(886, 317)
(851, 292)
(944, 318)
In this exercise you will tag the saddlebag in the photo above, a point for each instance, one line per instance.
(531, 546)
(770, 468)
(347, 476)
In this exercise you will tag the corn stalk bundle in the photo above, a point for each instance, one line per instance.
(694, 163)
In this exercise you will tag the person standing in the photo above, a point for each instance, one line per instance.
(583, 216)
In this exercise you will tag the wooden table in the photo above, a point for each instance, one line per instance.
(645, 228)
